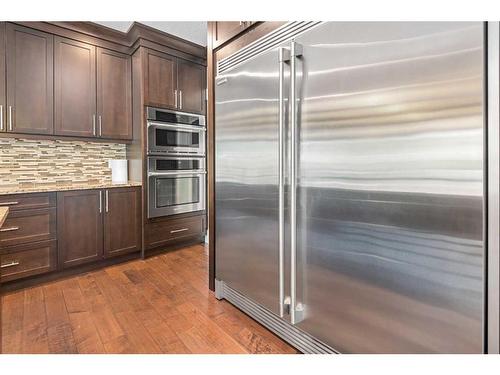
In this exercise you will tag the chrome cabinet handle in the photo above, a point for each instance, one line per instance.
(12, 203)
(93, 125)
(179, 230)
(100, 201)
(100, 126)
(10, 229)
(1, 117)
(180, 99)
(175, 98)
(10, 118)
(284, 57)
(295, 52)
(107, 200)
(11, 264)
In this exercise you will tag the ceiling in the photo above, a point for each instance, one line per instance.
(193, 31)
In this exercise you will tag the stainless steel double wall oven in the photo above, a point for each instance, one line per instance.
(176, 162)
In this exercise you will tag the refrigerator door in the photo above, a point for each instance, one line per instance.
(390, 251)
(247, 179)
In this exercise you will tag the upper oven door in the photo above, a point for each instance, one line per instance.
(175, 139)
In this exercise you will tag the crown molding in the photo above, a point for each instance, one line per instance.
(101, 35)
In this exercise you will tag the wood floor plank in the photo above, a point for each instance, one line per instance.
(104, 320)
(73, 296)
(209, 331)
(249, 338)
(34, 339)
(138, 335)
(160, 331)
(59, 332)
(158, 305)
(125, 314)
(242, 321)
(12, 322)
(85, 334)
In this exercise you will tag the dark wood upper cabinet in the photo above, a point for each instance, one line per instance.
(122, 221)
(75, 88)
(114, 94)
(79, 227)
(30, 84)
(174, 83)
(3, 102)
(63, 82)
(226, 30)
(191, 86)
(160, 80)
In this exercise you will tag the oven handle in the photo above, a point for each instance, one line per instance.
(166, 157)
(188, 173)
(193, 128)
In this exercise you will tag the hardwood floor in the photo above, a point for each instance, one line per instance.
(159, 305)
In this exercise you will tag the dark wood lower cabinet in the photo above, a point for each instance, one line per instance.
(26, 201)
(24, 226)
(79, 225)
(31, 259)
(49, 235)
(97, 224)
(122, 221)
(166, 231)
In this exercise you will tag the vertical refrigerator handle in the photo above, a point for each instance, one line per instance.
(295, 52)
(284, 57)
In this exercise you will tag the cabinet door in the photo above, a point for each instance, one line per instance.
(191, 86)
(161, 80)
(225, 30)
(114, 100)
(30, 81)
(79, 227)
(3, 102)
(75, 88)
(122, 221)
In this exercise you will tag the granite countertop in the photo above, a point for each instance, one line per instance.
(42, 188)
(4, 211)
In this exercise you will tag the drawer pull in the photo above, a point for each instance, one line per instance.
(13, 203)
(11, 264)
(179, 230)
(10, 229)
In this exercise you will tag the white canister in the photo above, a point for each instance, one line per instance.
(119, 171)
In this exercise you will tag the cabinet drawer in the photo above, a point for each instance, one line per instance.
(28, 260)
(161, 232)
(28, 226)
(17, 202)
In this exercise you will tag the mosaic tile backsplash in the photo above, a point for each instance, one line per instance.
(24, 162)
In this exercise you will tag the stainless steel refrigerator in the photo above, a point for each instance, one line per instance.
(350, 185)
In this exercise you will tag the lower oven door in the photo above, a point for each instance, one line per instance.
(175, 193)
